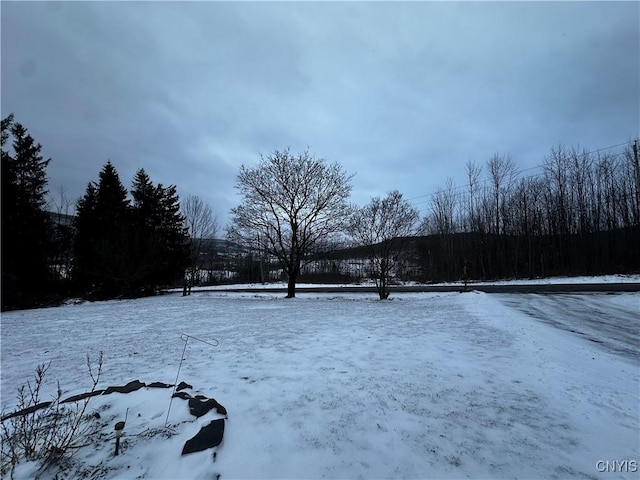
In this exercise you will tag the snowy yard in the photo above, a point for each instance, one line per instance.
(426, 385)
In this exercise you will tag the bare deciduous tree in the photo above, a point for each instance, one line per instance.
(474, 173)
(292, 202)
(443, 207)
(502, 173)
(383, 227)
(61, 253)
(202, 225)
(577, 216)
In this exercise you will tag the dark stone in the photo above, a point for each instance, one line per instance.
(209, 436)
(182, 395)
(82, 396)
(27, 411)
(159, 385)
(200, 406)
(128, 388)
(220, 409)
(182, 386)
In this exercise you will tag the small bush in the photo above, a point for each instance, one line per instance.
(44, 431)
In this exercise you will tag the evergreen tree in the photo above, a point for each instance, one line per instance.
(145, 224)
(85, 267)
(145, 201)
(102, 247)
(128, 249)
(111, 199)
(25, 224)
(173, 235)
(161, 240)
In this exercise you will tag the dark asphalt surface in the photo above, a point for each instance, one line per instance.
(597, 318)
(507, 288)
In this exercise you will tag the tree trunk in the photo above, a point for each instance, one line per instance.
(291, 285)
(381, 283)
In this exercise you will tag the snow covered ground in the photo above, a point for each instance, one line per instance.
(427, 385)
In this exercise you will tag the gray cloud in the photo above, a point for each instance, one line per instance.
(404, 94)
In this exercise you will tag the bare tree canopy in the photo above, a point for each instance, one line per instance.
(202, 225)
(443, 211)
(384, 225)
(290, 202)
(199, 218)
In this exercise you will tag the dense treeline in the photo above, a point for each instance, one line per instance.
(489, 256)
(26, 228)
(124, 248)
(581, 215)
(114, 246)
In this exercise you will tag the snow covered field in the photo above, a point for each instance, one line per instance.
(427, 385)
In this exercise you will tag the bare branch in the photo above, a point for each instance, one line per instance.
(293, 202)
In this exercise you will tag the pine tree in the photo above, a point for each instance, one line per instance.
(161, 240)
(145, 200)
(145, 225)
(85, 268)
(103, 227)
(25, 224)
(30, 168)
(174, 236)
(111, 200)
(127, 248)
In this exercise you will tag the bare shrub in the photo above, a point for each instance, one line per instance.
(45, 431)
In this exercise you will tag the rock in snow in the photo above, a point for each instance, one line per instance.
(209, 436)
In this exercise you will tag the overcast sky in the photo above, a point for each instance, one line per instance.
(401, 94)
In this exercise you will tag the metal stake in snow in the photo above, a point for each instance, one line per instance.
(185, 338)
